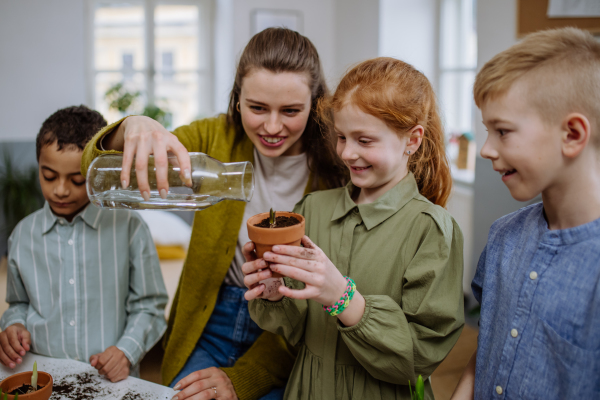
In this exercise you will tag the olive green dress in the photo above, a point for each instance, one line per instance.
(405, 255)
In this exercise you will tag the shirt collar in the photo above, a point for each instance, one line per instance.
(90, 215)
(387, 205)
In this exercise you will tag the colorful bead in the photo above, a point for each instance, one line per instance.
(343, 302)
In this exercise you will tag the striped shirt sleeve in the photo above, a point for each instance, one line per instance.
(147, 298)
(16, 295)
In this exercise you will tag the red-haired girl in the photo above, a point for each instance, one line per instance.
(375, 295)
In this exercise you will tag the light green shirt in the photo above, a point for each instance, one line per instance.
(82, 286)
(405, 255)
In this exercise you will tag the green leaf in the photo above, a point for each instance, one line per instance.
(412, 395)
(34, 376)
(16, 396)
(272, 218)
(420, 388)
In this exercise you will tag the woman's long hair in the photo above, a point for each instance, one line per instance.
(283, 50)
(402, 97)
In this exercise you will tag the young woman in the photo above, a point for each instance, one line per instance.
(272, 122)
(375, 295)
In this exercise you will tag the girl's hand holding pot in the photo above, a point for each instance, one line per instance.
(324, 282)
(309, 264)
(139, 137)
(255, 272)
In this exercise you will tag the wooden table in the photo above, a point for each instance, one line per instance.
(68, 371)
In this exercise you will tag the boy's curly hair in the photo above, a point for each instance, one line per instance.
(69, 127)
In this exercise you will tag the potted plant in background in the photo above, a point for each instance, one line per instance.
(20, 193)
(126, 102)
(269, 229)
(30, 385)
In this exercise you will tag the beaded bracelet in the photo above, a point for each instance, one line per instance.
(343, 302)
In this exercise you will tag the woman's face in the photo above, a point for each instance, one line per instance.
(275, 109)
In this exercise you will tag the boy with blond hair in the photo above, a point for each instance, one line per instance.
(537, 278)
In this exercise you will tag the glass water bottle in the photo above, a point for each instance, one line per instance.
(212, 182)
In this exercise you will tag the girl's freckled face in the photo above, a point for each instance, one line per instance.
(370, 149)
(275, 108)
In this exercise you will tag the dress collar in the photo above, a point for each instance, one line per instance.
(384, 207)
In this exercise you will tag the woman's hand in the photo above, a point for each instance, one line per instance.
(209, 383)
(140, 136)
(258, 277)
(309, 264)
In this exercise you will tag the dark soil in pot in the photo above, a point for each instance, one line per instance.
(280, 222)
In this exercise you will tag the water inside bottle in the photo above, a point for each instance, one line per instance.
(133, 200)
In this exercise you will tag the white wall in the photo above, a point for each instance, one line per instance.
(356, 34)
(42, 63)
(409, 31)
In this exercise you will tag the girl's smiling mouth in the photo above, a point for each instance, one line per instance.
(358, 170)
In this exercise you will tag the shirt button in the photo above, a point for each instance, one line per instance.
(60, 221)
(514, 333)
(70, 242)
(72, 281)
(499, 389)
(533, 275)
(72, 323)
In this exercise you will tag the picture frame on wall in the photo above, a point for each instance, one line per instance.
(263, 18)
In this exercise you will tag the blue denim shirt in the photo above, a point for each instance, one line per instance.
(539, 334)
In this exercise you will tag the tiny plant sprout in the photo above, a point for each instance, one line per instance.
(16, 396)
(272, 218)
(34, 376)
(419, 393)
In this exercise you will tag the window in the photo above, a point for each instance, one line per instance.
(158, 51)
(458, 63)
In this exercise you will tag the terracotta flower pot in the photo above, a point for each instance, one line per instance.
(265, 238)
(24, 378)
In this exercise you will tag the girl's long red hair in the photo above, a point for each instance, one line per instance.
(402, 97)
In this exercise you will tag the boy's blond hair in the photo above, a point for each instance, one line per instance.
(561, 68)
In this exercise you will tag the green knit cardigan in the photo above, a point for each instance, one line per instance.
(269, 361)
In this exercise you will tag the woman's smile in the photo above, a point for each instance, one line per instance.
(272, 141)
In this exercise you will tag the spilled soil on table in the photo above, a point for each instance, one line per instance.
(87, 386)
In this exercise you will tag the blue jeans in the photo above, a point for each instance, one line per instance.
(228, 334)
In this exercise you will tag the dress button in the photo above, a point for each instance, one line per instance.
(533, 275)
(70, 242)
(499, 389)
(72, 323)
(514, 333)
(72, 281)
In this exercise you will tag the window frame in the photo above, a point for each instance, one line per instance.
(205, 70)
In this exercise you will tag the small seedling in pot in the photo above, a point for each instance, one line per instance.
(272, 220)
(419, 393)
(34, 376)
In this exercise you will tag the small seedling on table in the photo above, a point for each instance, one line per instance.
(419, 393)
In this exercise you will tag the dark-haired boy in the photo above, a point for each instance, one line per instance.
(83, 283)
(538, 277)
